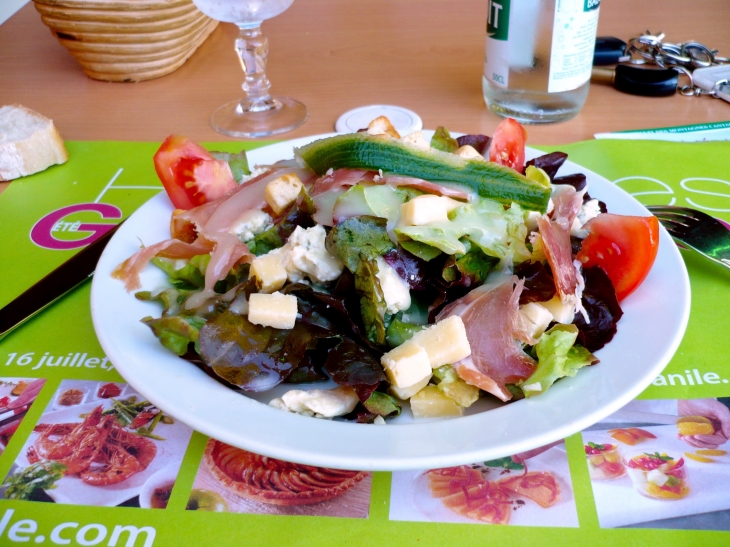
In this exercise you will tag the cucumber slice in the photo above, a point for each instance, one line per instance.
(364, 151)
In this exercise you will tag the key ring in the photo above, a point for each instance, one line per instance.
(684, 58)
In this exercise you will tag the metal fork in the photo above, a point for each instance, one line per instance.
(697, 231)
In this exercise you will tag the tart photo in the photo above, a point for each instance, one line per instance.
(239, 481)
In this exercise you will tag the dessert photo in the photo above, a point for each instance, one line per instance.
(662, 464)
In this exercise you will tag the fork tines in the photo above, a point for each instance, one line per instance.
(677, 216)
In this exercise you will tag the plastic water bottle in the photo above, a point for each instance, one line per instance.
(539, 57)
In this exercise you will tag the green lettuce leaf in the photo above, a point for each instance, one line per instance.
(383, 404)
(442, 140)
(400, 331)
(237, 162)
(470, 269)
(358, 241)
(188, 277)
(557, 357)
(176, 332)
(485, 223)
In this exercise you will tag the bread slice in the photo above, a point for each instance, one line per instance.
(29, 143)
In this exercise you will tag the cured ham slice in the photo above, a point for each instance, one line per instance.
(566, 203)
(539, 486)
(490, 316)
(226, 250)
(248, 196)
(556, 244)
(426, 186)
(221, 214)
(340, 178)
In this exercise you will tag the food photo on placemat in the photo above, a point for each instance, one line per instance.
(98, 443)
(239, 481)
(529, 489)
(17, 395)
(662, 463)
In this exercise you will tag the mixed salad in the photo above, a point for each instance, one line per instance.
(401, 269)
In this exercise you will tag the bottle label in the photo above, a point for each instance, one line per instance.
(572, 44)
(574, 39)
(496, 62)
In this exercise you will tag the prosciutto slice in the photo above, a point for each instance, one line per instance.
(491, 317)
(226, 250)
(556, 243)
(250, 195)
(567, 203)
(221, 214)
(426, 186)
(340, 178)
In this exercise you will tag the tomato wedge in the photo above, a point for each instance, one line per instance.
(190, 175)
(508, 145)
(624, 246)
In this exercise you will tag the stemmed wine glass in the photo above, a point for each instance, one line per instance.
(258, 114)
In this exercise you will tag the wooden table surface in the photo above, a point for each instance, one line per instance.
(426, 55)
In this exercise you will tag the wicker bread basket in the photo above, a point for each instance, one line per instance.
(127, 41)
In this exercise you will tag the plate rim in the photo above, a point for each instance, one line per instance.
(292, 451)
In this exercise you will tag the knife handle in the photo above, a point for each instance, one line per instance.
(55, 285)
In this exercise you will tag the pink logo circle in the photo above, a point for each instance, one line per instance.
(42, 232)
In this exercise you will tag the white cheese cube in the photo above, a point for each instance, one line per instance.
(536, 318)
(426, 209)
(468, 152)
(379, 420)
(273, 310)
(382, 126)
(445, 342)
(406, 365)
(406, 393)
(281, 192)
(417, 140)
(562, 312)
(251, 223)
(269, 272)
(395, 291)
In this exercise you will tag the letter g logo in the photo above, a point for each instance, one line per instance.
(42, 233)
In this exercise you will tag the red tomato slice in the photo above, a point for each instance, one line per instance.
(190, 175)
(508, 145)
(624, 246)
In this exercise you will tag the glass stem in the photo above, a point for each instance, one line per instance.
(253, 48)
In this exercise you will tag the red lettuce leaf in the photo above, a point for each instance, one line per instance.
(539, 282)
(599, 300)
(550, 163)
(350, 364)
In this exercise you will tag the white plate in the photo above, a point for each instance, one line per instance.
(649, 333)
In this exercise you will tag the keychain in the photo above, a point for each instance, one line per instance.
(654, 67)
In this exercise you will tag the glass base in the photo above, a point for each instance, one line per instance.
(231, 119)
